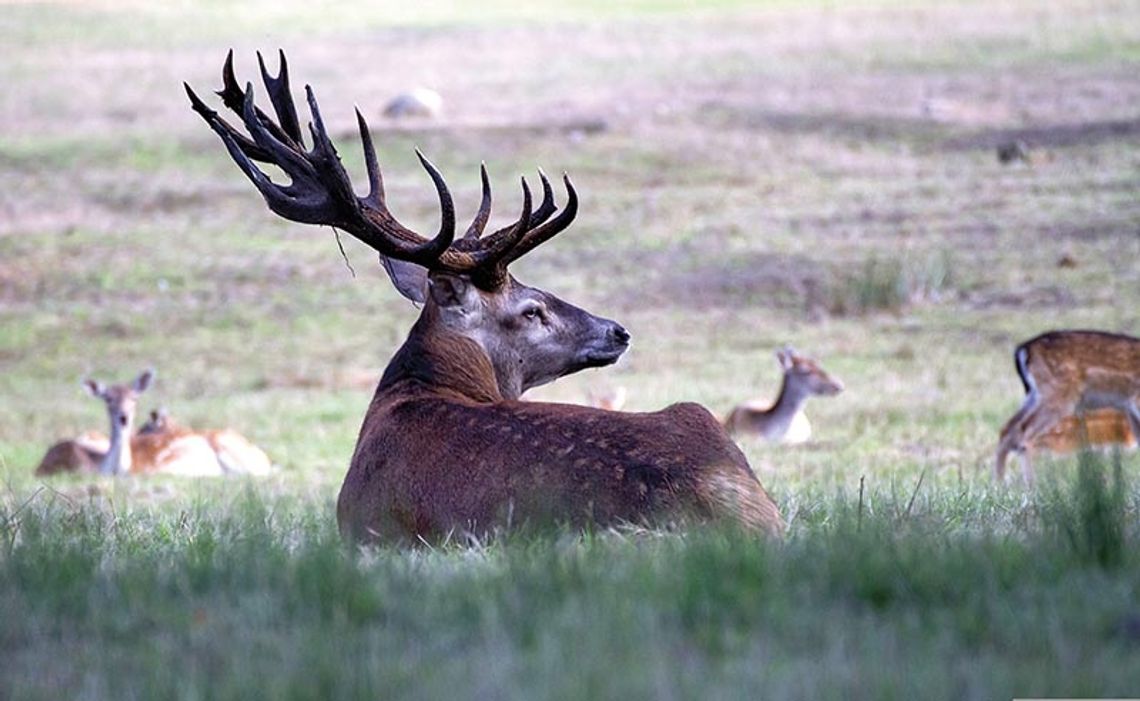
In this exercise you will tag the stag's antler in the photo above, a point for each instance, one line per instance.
(320, 191)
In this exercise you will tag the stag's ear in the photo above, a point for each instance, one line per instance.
(450, 291)
(410, 280)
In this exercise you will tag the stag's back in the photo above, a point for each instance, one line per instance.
(538, 463)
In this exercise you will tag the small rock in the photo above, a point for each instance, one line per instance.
(418, 102)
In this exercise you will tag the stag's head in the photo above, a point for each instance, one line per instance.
(530, 336)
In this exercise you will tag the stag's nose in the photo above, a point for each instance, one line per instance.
(619, 334)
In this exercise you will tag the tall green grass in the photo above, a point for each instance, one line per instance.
(886, 597)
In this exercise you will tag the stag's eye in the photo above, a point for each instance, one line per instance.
(534, 312)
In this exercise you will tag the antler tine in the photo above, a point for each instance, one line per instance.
(480, 222)
(499, 243)
(369, 219)
(231, 93)
(234, 98)
(321, 192)
(238, 146)
(446, 206)
(281, 96)
(526, 209)
(375, 196)
(547, 207)
(547, 230)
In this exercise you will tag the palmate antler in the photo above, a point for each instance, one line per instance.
(320, 191)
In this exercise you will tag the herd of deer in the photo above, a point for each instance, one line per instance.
(447, 447)
(161, 445)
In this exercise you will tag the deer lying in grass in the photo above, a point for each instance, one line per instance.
(159, 447)
(784, 421)
(446, 446)
(235, 454)
(124, 453)
(82, 454)
(1069, 375)
(93, 452)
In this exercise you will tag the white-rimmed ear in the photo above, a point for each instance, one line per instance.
(143, 381)
(96, 389)
(409, 279)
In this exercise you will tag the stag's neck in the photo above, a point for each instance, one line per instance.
(117, 461)
(440, 361)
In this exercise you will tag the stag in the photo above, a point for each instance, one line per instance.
(446, 447)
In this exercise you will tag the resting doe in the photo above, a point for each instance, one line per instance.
(784, 421)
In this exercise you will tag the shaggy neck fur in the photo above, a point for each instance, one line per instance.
(442, 361)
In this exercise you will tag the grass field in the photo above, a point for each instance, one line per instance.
(752, 174)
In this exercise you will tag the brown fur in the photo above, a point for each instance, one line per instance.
(1097, 428)
(443, 453)
(69, 456)
(162, 439)
(174, 452)
(1067, 374)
